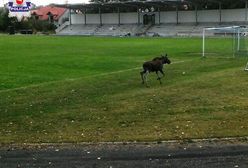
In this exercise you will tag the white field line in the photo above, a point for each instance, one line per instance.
(201, 142)
(73, 79)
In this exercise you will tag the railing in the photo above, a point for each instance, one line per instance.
(142, 29)
(62, 26)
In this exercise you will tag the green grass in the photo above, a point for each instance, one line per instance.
(80, 89)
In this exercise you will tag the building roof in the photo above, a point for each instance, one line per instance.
(43, 12)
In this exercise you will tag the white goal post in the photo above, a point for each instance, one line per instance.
(231, 29)
(246, 67)
(239, 39)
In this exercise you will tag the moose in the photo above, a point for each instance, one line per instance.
(156, 65)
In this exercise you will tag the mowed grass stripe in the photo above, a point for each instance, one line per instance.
(73, 79)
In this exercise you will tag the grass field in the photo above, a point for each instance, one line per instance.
(88, 89)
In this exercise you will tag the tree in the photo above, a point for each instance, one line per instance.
(4, 19)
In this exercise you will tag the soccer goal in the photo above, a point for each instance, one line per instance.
(225, 41)
(246, 67)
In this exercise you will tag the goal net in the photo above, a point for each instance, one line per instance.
(225, 41)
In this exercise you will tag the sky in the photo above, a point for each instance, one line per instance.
(46, 2)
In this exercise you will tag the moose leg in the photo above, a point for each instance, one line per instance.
(145, 77)
(162, 72)
(158, 78)
(158, 75)
(142, 76)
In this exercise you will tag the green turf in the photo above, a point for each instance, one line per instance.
(81, 89)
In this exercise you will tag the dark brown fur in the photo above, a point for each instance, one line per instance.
(156, 65)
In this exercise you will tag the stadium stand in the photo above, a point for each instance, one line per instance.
(180, 18)
(169, 30)
(163, 30)
(104, 30)
(116, 30)
(79, 29)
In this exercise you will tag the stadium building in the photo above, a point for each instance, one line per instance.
(152, 17)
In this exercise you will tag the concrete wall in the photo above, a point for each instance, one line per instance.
(77, 19)
(167, 17)
(228, 15)
(93, 18)
(233, 15)
(110, 18)
(186, 16)
(208, 16)
(129, 18)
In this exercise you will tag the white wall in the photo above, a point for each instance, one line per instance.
(233, 15)
(186, 16)
(110, 18)
(92, 19)
(165, 17)
(128, 18)
(208, 16)
(107, 18)
(77, 19)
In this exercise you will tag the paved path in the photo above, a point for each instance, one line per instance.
(166, 155)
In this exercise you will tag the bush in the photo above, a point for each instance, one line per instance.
(44, 26)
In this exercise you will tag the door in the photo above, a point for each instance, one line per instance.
(149, 19)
